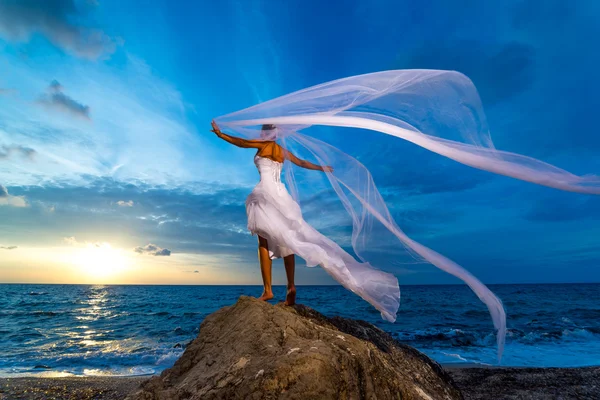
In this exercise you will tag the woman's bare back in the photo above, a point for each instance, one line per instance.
(269, 149)
(273, 151)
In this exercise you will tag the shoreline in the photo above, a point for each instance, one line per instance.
(475, 381)
(49, 374)
(71, 387)
(458, 366)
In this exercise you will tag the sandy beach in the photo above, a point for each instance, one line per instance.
(80, 388)
(527, 383)
(474, 382)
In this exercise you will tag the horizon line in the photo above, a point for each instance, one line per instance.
(283, 284)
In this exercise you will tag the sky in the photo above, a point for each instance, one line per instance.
(109, 173)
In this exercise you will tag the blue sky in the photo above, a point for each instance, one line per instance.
(104, 133)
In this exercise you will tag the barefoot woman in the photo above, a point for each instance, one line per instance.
(273, 215)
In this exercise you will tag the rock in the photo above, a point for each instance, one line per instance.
(254, 350)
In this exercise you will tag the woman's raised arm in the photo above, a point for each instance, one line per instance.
(239, 142)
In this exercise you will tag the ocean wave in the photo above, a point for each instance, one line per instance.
(131, 330)
(459, 338)
(114, 358)
(45, 313)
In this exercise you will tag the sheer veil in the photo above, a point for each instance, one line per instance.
(434, 109)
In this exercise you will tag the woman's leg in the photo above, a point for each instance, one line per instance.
(290, 266)
(265, 268)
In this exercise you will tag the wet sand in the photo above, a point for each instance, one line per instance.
(80, 388)
(526, 383)
(493, 383)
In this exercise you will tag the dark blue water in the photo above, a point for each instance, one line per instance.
(131, 330)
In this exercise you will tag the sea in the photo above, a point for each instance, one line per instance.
(63, 330)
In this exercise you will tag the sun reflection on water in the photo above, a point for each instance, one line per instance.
(93, 331)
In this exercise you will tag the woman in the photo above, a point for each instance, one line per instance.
(270, 201)
(437, 110)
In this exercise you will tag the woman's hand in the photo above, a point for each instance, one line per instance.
(215, 128)
(327, 169)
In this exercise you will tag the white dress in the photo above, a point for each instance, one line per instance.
(275, 215)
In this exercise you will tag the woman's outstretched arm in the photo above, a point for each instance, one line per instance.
(239, 142)
(306, 164)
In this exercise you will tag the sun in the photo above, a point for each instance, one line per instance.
(100, 260)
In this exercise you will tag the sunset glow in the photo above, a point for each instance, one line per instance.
(100, 260)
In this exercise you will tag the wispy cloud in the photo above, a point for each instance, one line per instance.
(557, 207)
(153, 250)
(7, 151)
(210, 220)
(8, 200)
(71, 241)
(56, 99)
(138, 119)
(20, 20)
(8, 247)
(74, 242)
(122, 203)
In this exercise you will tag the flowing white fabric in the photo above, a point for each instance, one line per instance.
(276, 216)
(437, 110)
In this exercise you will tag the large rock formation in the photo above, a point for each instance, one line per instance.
(254, 350)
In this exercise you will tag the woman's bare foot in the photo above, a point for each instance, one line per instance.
(290, 298)
(266, 295)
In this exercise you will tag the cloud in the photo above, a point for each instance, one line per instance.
(559, 207)
(8, 247)
(122, 203)
(8, 200)
(153, 250)
(128, 106)
(54, 19)
(7, 151)
(210, 219)
(70, 241)
(57, 100)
